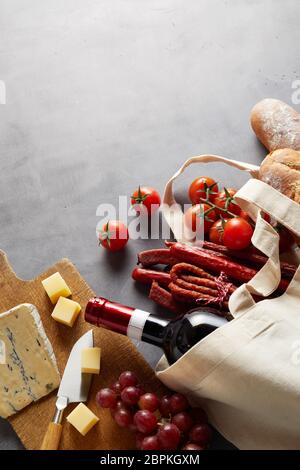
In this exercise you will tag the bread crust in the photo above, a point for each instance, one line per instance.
(281, 170)
(276, 124)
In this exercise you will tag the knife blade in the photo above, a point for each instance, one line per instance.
(74, 387)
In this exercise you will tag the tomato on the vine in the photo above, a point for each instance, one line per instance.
(145, 198)
(225, 200)
(237, 233)
(245, 215)
(114, 235)
(216, 232)
(196, 218)
(201, 188)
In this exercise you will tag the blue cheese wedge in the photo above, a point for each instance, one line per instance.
(28, 368)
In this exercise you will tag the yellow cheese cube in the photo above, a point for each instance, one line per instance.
(56, 287)
(66, 311)
(82, 418)
(90, 360)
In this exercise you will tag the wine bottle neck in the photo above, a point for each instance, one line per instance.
(155, 330)
(135, 323)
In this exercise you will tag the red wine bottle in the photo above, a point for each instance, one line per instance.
(175, 337)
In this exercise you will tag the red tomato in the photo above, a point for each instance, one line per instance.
(225, 200)
(145, 198)
(286, 240)
(196, 220)
(216, 232)
(237, 233)
(201, 188)
(114, 235)
(245, 215)
(267, 217)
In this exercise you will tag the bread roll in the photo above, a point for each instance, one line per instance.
(281, 170)
(276, 124)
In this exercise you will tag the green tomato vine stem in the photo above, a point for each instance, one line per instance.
(215, 207)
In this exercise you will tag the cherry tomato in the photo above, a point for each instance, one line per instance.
(196, 220)
(267, 217)
(145, 198)
(216, 232)
(201, 188)
(225, 200)
(286, 240)
(245, 215)
(114, 235)
(237, 233)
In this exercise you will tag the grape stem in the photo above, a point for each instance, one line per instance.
(163, 421)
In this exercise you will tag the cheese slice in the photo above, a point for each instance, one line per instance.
(56, 287)
(90, 360)
(66, 311)
(28, 368)
(82, 418)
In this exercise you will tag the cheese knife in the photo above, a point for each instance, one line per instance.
(74, 387)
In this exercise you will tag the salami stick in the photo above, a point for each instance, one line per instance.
(200, 281)
(156, 256)
(185, 295)
(216, 264)
(147, 276)
(164, 298)
(287, 270)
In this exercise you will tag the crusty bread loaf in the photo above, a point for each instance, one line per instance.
(276, 124)
(281, 170)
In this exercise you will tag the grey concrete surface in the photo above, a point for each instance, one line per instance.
(104, 95)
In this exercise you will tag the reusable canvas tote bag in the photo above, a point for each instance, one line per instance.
(246, 374)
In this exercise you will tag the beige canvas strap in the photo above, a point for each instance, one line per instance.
(172, 211)
(254, 197)
(246, 373)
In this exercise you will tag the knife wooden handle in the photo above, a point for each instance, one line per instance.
(52, 437)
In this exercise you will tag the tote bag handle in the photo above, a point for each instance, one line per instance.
(172, 211)
(255, 197)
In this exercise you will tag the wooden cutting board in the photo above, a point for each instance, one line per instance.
(118, 354)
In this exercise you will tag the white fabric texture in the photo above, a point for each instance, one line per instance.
(246, 374)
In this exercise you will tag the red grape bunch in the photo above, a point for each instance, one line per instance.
(168, 423)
